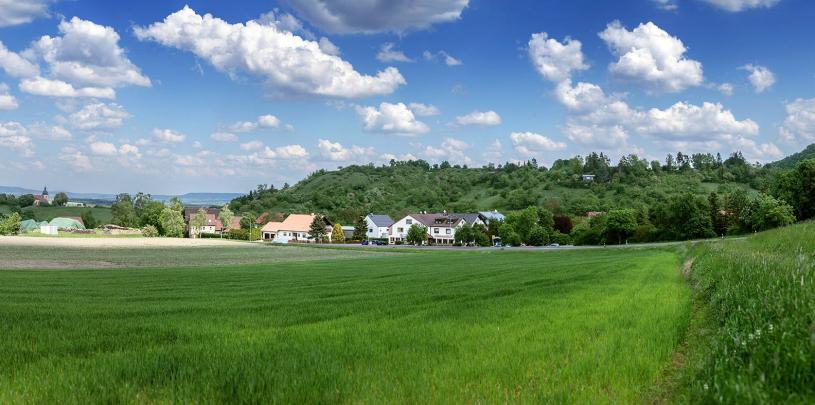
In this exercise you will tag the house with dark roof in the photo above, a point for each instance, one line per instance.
(441, 227)
(378, 225)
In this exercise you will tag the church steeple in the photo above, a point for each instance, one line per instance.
(45, 190)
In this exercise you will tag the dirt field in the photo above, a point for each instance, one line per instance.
(118, 242)
(43, 253)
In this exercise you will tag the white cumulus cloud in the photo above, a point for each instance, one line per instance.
(479, 118)
(7, 100)
(168, 136)
(760, 77)
(75, 158)
(289, 64)
(531, 144)
(99, 116)
(16, 12)
(224, 137)
(103, 149)
(424, 110)
(650, 56)
(336, 152)
(352, 16)
(741, 5)
(554, 60)
(799, 125)
(15, 65)
(389, 53)
(40, 86)
(391, 118)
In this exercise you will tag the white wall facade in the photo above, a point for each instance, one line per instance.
(375, 232)
(399, 229)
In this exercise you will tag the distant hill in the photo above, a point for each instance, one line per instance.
(404, 187)
(790, 161)
(189, 198)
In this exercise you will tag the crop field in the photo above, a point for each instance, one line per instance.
(297, 325)
(102, 214)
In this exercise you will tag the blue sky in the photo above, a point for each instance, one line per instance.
(180, 96)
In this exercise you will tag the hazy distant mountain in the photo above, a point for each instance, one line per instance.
(189, 198)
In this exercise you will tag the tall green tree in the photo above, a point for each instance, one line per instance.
(620, 225)
(172, 223)
(225, 216)
(317, 229)
(89, 220)
(60, 199)
(417, 234)
(198, 221)
(150, 213)
(360, 229)
(337, 236)
(123, 212)
(177, 205)
(797, 187)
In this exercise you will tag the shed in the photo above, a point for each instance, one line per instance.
(49, 230)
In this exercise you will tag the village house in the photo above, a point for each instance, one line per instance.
(213, 224)
(441, 227)
(295, 228)
(378, 226)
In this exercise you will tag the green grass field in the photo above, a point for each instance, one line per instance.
(429, 327)
(102, 214)
(753, 340)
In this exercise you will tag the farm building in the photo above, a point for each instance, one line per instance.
(213, 224)
(295, 228)
(377, 226)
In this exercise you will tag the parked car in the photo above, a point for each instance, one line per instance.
(554, 245)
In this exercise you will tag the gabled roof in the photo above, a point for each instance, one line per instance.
(492, 215)
(379, 220)
(297, 222)
(438, 220)
(190, 211)
(271, 227)
(470, 217)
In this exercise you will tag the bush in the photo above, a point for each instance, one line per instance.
(149, 231)
(238, 234)
(210, 236)
(560, 238)
(538, 236)
(11, 225)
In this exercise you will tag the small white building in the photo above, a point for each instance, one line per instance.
(49, 230)
(295, 228)
(378, 226)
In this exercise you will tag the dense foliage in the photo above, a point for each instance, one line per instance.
(755, 340)
(685, 197)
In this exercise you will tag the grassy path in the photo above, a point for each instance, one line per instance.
(435, 327)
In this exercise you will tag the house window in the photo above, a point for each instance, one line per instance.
(449, 231)
(400, 230)
(435, 230)
(370, 230)
(409, 221)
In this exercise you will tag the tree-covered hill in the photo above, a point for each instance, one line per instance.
(401, 187)
(790, 161)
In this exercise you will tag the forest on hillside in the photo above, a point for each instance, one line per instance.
(682, 197)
